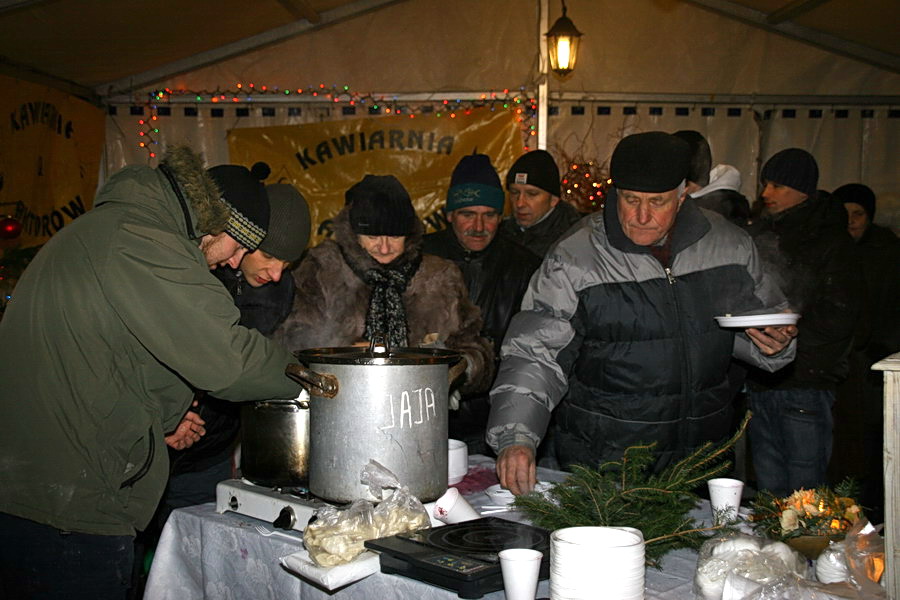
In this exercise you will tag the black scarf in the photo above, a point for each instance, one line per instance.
(386, 315)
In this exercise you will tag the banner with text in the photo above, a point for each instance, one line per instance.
(322, 160)
(50, 149)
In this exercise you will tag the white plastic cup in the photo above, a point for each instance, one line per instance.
(457, 461)
(521, 568)
(725, 498)
(453, 508)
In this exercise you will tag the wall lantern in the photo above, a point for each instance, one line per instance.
(562, 45)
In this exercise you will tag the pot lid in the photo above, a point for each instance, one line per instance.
(377, 355)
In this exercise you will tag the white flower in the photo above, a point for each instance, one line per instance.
(789, 520)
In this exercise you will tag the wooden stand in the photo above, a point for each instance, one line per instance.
(891, 368)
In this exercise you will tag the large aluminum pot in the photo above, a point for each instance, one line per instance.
(275, 442)
(390, 406)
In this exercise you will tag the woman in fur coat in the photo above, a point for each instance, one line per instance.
(371, 278)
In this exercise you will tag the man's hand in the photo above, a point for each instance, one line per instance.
(516, 469)
(772, 340)
(188, 431)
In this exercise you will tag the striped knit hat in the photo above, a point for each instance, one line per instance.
(243, 192)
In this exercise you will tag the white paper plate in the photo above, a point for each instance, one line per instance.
(746, 321)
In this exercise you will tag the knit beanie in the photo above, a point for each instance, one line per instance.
(380, 205)
(535, 168)
(859, 194)
(794, 168)
(242, 190)
(701, 157)
(654, 161)
(475, 183)
(288, 223)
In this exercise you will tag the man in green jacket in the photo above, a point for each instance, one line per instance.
(111, 328)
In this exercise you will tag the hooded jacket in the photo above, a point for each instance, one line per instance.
(723, 195)
(331, 301)
(113, 323)
(626, 350)
(811, 256)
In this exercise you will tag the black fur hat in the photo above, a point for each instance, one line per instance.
(380, 205)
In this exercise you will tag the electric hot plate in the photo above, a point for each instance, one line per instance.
(461, 557)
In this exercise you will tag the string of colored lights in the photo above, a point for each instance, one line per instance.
(413, 105)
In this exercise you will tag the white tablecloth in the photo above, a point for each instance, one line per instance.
(203, 554)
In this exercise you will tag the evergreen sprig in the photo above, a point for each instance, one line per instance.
(624, 493)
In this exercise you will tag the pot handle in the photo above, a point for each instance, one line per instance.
(318, 384)
(457, 369)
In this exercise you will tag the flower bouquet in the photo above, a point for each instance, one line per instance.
(807, 519)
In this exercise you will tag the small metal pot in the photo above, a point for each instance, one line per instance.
(275, 442)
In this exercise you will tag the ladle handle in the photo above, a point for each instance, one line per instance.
(317, 384)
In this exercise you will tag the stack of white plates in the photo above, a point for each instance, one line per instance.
(587, 561)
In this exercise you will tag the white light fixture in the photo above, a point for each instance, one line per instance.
(562, 45)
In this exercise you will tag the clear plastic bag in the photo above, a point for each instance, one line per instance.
(336, 536)
(734, 565)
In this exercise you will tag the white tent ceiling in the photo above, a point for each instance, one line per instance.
(99, 49)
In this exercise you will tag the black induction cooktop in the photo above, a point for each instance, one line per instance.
(461, 557)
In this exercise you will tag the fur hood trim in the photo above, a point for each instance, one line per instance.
(356, 256)
(198, 188)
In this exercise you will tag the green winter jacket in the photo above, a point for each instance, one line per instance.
(110, 327)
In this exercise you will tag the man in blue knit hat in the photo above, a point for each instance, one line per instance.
(496, 269)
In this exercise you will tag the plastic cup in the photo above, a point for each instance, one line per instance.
(453, 508)
(521, 568)
(457, 461)
(725, 498)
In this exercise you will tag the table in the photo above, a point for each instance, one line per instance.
(203, 554)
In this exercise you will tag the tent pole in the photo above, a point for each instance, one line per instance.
(543, 91)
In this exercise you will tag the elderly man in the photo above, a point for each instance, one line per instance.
(802, 238)
(538, 218)
(496, 270)
(112, 325)
(617, 330)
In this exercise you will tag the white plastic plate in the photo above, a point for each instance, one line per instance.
(745, 321)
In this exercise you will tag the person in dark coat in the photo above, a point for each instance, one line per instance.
(860, 408)
(803, 241)
(496, 271)
(539, 219)
(264, 299)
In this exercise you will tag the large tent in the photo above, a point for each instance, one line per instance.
(754, 76)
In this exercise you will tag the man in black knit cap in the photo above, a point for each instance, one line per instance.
(538, 218)
(803, 242)
(617, 333)
(496, 270)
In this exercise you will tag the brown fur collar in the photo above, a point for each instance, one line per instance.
(198, 188)
(356, 256)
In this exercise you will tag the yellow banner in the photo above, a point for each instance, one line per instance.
(323, 160)
(50, 148)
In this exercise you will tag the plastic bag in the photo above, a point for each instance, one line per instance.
(864, 548)
(734, 565)
(336, 536)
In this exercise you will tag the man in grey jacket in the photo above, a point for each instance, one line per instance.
(617, 332)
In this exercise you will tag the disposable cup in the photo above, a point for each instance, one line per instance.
(453, 508)
(725, 498)
(457, 461)
(521, 568)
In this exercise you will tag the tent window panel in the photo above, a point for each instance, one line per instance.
(841, 113)
(682, 111)
(136, 111)
(112, 110)
(348, 110)
(789, 113)
(734, 112)
(656, 110)
(190, 111)
(708, 111)
(268, 111)
(242, 112)
(577, 111)
(552, 111)
(815, 113)
(293, 111)
(217, 113)
(604, 111)
(894, 113)
(629, 110)
(867, 113)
